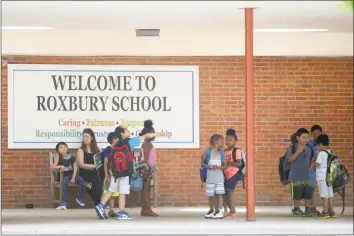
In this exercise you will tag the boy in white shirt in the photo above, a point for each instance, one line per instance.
(326, 192)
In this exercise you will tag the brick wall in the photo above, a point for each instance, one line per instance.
(289, 93)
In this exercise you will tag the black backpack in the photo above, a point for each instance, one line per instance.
(242, 167)
(284, 167)
(122, 159)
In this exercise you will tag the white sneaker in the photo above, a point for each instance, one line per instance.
(218, 215)
(210, 214)
(61, 208)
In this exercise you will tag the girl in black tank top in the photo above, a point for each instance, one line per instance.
(66, 162)
(88, 158)
(88, 168)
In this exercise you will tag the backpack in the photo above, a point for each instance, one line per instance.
(136, 181)
(242, 169)
(284, 167)
(337, 176)
(203, 170)
(98, 160)
(121, 159)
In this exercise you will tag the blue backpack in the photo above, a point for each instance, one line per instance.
(136, 182)
(203, 170)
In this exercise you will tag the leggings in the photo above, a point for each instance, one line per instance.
(80, 187)
(93, 177)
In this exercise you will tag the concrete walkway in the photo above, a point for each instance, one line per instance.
(269, 220)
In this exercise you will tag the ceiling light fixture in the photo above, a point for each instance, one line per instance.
(287, 30)
(26, 28)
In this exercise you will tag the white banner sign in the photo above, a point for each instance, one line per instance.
(52, 103)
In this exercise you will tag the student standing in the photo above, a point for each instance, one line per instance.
(321, 164)
(148, 156)
(299, 173)
(214, 160)
(111, 139)
(234, 161)
(316, 130)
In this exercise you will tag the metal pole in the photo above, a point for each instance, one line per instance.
(250, 168)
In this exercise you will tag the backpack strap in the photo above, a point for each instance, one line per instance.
(234, 153)
(293, 149)
(222, 155)
(342, 194)
(329, 160)
(208, 155)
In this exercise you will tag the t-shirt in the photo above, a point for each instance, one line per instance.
(299, 169)
(133, 143)
(107, 151)
(215, 176)
(231, 170)
(321, 170)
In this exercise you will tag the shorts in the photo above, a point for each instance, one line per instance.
(312, 176)
(325, 191)
(120, 185)
(301, 190)
(213, 189)
(230, 184)
(106, 187)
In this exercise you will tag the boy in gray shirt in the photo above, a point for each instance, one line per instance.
(299, 158)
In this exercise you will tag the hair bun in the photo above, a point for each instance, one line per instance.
(148, 124)
(230, 132)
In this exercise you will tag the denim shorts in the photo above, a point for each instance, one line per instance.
(230, 184)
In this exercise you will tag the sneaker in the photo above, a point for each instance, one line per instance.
(332, 214)
(314, 211)
(111, 213)
(308, 212)
(89, 186)
(123, 216)
(218, 215)
(148, 212)
(80, 201)
(324, 215)
(230, 216)
(100, 211)
(297, 212)
(61, 208)
(209, 214)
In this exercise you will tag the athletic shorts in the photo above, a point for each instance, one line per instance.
(301, 190)
(325, 191)
(120, 185)
(230, 184)
(214, 189)
(106, 186)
